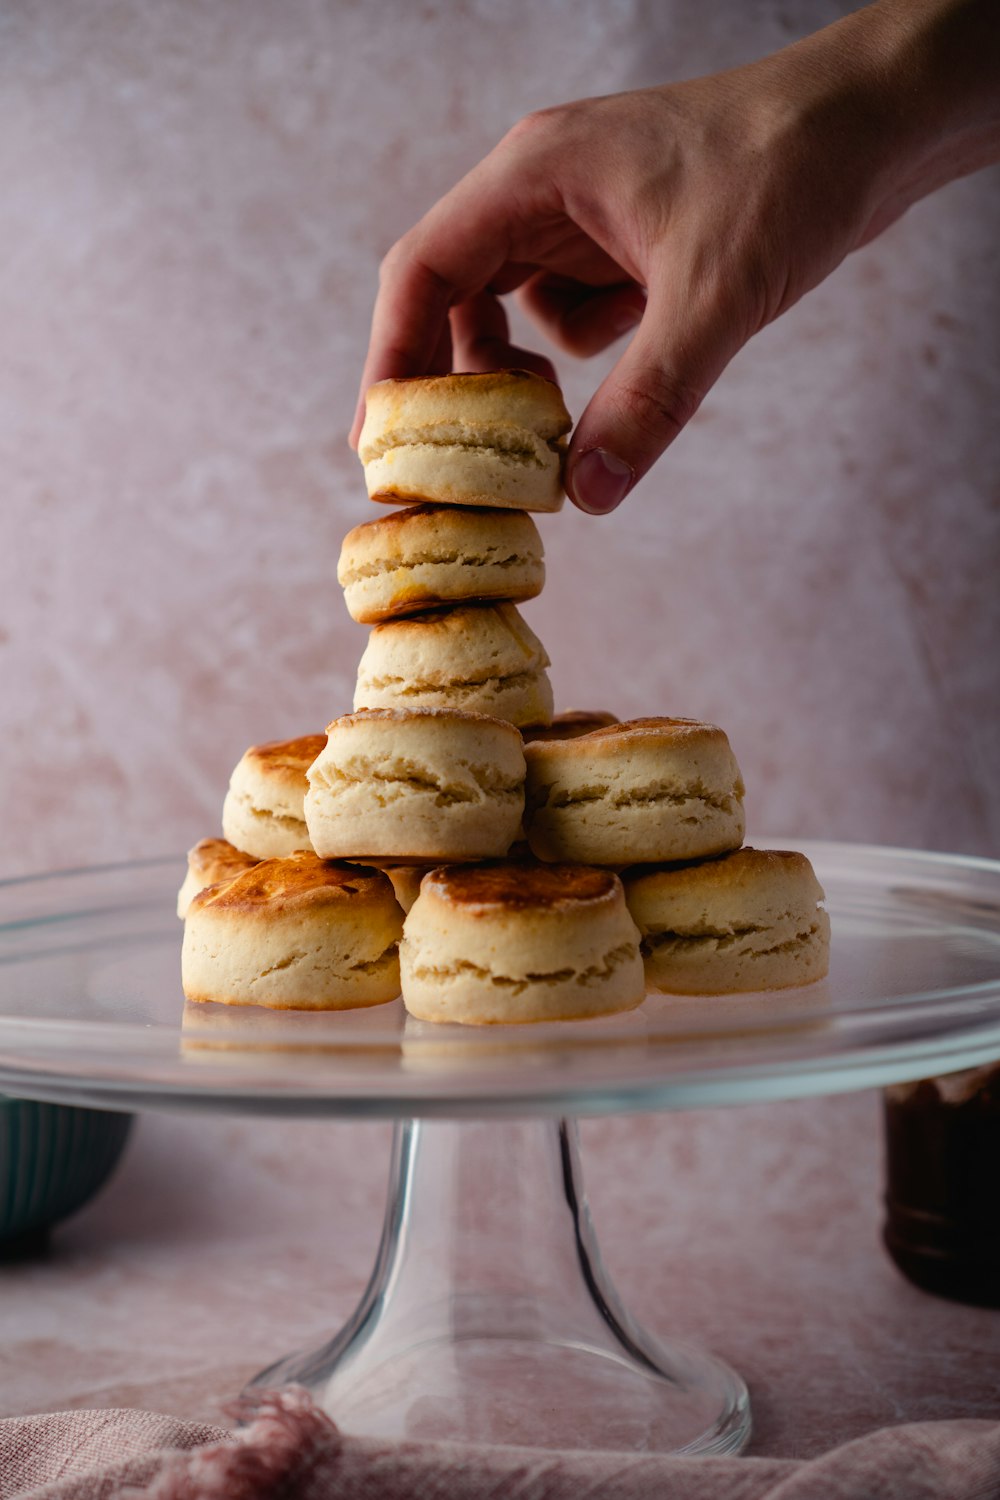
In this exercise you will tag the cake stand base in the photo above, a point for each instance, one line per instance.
(489, 1316)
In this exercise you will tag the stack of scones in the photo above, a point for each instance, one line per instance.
(451, 837)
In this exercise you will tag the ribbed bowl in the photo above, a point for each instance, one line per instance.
(53, 1159)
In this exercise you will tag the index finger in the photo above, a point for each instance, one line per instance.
(458, 248)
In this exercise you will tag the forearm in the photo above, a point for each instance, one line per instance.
(947, 55)
(905, 93)
(940, 61)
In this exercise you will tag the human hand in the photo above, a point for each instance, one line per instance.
(691, 214)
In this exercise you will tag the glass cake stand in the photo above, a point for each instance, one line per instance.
(489, 1316)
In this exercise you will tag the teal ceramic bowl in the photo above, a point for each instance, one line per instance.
(53, 1159)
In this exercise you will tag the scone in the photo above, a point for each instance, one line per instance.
(569, 725)
(405, 880)
(479, 657)
(427, 555)
(634, 793)
(495, 943)
(406, 786)
(496, 439)
(210, 861)
(751, 920)
(294, 934)
(262, 813)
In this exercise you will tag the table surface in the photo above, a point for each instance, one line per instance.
(223, 1243)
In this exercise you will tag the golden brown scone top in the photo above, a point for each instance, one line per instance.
(518, 396)
(286, 759)
(611, 738)
(743, 867)
(407, 515)
(457, 518)
(482, 380)
(217, 857)
(656, 723)
(451, 621)
(570, 725)
(383, 531)
(295, 881)
(520, 886)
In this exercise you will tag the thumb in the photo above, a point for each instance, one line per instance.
(676, 355)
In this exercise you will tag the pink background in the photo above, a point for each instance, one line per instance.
(194, 201)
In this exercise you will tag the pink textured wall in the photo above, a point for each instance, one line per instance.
(193, 202)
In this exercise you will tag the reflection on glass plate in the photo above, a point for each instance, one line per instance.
(91, 1010)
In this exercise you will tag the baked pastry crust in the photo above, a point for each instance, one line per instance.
(570, 725)
(296, 933)
(481, 658)
(493, 439)
(513, 942)
(646, 790)
(210, 861)
(262, 812)
(750, 920)
(416, 785)
(427, 555)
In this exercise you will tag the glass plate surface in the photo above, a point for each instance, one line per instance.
(91, 1012)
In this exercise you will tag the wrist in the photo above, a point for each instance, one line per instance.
(938, 62)
(910, 89)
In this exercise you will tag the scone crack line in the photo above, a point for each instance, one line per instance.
(379, 567)
(506, 458)
(405, 687)
(337, 966)
(288, 962)
(265, 814)
(676, 796)
(408, 776)
(374, 965)
(565, 798)
(516, 985)
(791, 945)
(499, 439)
(655, 793)
(719, 941)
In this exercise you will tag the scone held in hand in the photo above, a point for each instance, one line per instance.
(483, 658)
(751, 920)
(262, 813)
(507, 943)
(295, 933)
(414, 785)
(493, 439)
(428, 555)
(642, 791)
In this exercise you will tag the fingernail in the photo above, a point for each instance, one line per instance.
(600, 481)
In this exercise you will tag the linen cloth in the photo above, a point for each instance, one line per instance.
(290, 1450)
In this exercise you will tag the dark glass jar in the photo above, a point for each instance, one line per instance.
(942, 1224)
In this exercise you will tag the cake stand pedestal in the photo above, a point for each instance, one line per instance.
(489, 1316)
